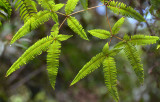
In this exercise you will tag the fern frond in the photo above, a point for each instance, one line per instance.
(70, 6)
(31, 24)
(50, 5)
(120, 45)
(105, 49)
(30, 53)
(143, 39)
(117, 26)
(27, 9)
(121, 8)
(100, 33)
(92, 65)
(84, 4)
(6, 8)
(55, 30)
(112, 52)
(74, 24)
(110, 76)
(135, 61)
(53, 62)
(158, 46)
(46, 4)
(61, 37)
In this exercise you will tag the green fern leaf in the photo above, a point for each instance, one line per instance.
(30, 53)
(134, 58)
(70, 6)
(92, 65)
(27, 9)
(6, 8)
(119, 45)
(61, 37)
(53, 61)
(114, 52)
(46, 4)
(57, 7)
(55, 30)
(111, 52)
(84, 4)
(121, 8)
(99, 33)
(74, 24)
(158, 46)
(117, 26)
(143, 39)
(105, 49)
(110, 76)
(32, 24)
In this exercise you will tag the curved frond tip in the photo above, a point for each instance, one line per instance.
(92, 65)
(53, 62)
(30, 53)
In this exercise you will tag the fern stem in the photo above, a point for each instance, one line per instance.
(85, 10)
(110, 41)
(117, 37)
(62, 23)
(108, 18)
(60, 13)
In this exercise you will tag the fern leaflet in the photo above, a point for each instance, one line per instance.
(61, 37)
(99, 33)
(117, 26)
(74, 24)
(53, 61)
(30, 53)
(70, 6)
(27, 9)
(46, 4)
(92, 65)
(143, 39)
(5, 7)
(121, 8)
(134, 58)
(110, 76)
(31, 24)
(158, 46)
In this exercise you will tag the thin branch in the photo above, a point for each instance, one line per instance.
(61, 13)
(110, 41)
(108, 18)
(85, 10)
(117, 37)
(62, 23)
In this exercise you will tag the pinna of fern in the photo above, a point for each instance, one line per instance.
(109, 68)
(35, 21)
(27, 9)
(121, 8)
(5, 10)
(52, 45)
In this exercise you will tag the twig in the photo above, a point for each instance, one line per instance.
(62, 23)
(85, 10)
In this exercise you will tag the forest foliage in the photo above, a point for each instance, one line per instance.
(33, 18)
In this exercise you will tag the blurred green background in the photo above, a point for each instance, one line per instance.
(30, 83)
